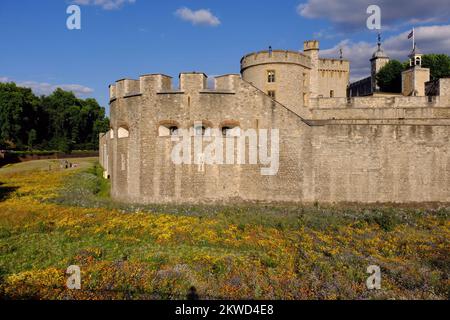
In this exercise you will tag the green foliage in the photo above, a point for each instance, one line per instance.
(389, 78)
(60, 121)
(439, 65)
(102, 185)
(17, 114)
(86, 188)
(253, 251)
(32, 136)
(386, 219)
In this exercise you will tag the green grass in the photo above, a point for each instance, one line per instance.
(88, 189)
(48, 152)
(45, 165)
(253, 251)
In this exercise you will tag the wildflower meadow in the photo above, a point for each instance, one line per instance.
(52, 218)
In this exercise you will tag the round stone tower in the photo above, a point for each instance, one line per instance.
(282, 74)
(378, 61)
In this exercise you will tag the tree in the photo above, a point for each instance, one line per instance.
(17, 114)
(439, 65)
(60, 121)
(60, 107)
(32, 135)
(389, 78)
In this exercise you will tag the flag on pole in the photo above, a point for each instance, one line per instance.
(411, 35)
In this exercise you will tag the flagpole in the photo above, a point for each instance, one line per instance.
(414, 39)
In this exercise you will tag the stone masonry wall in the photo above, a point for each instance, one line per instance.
(346, 159)
(334, 76)
(379, 163)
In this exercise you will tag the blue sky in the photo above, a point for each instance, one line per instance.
(127, 38)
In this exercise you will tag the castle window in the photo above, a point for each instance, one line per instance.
(168, 128)
(111, 133)
(123, 133)
(271, 76)
(200, 131)
(304, 80)
(230, 132)
(230, 128)
(226, 131)
(173, 131)
(201, 128)
(165, 131)
(331, 93)
(272, 94)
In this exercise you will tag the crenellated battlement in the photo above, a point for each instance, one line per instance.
(162, 84)
(372, 102)
(275, 56)
(193, 81)
(334, 65)
(311, 45)
(151, 83)
(226, 82)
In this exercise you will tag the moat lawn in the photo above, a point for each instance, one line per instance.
(52, 218)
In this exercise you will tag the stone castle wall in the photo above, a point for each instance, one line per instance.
(413, 81)
(439, 87)
(334, 77)
(338, 150)
(410, 109)
(379, 163)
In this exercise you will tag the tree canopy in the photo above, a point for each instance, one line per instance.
(439, 65)
(60, 121)
(389, 78)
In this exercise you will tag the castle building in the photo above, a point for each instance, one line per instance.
(414, 79)
(328, 147)
(293, 77)
(368, 86)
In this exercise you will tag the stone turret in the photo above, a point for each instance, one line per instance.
(281, 74)
(311, 49)
(414, 79)
(378, 61)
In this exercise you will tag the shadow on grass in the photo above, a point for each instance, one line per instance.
(9, 159)
(6, 191)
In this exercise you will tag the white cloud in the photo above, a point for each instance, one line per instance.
(430, 39)
(359, 54)
(44, 88)
(105, 4)
(351, 14)
(199, 17)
